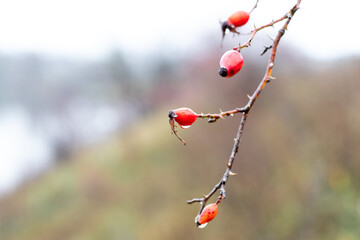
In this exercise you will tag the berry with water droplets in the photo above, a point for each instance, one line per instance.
(183, 116)
(230, 63)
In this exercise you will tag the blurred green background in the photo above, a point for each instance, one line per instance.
(113, 170)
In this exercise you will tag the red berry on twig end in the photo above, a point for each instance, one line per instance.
(184, 117)
(207, 214)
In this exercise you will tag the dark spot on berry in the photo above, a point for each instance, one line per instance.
(231, 72)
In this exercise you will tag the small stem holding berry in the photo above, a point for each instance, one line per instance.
(216, 116)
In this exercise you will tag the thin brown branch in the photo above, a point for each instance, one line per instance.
(244, 110)
(255, 6)
(271, 24)
(216, 116)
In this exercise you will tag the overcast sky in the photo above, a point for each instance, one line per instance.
(91, 28)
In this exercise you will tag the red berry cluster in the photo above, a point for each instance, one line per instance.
(230, 64)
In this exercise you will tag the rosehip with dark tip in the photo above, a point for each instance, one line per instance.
(230, 63)
(237, 19)
(183, 116)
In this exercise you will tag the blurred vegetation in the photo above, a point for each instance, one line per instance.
(298, 163)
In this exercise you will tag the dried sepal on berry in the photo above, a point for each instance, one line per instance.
(237, 19)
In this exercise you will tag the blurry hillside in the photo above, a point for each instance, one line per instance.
(298, 164)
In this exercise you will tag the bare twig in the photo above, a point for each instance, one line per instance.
(245, 110)
(255, 6)
(216, 116)
(271, 24)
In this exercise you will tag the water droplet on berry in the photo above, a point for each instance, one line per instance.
(184, 127)
(202, 225)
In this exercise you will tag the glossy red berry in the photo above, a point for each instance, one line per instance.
(207, 214)
(237, 19)
(183, 116)
(230, 63)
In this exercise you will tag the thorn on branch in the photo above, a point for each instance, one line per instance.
(269, 79)
(266, 49)
(232, 173)
(212, 120)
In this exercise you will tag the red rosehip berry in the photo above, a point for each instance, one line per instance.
(207, 214)
(230, 63)
(183, 116)
(237, 19)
